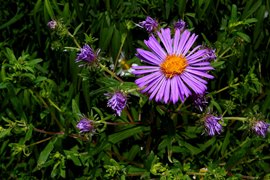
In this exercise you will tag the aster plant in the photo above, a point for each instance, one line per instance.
(86, 54)
(52, 24)
(200, 101)
(175, 70)
(117, 101)
(180, 24)
(149, 24)
(260, 128)
(85, 125)
(212, 126)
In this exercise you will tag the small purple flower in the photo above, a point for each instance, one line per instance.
(85, 125)
(211, 55)
(52, 24)
(180, 24)
(212, 126)
(199, 101)
(87, 54)
(260, 128)
(149, 24)
(117, 101)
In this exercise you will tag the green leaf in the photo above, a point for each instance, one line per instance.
(216, 64)
(75, 107)
(244, 36)
(233, 14)
(119, 136)
(49, 9)
(225, 142)
(16, 18)
(239, 154)
(251, 20)
(105, 37)
(34, 61)
(249, 11)
(194, 150)
(133, 152)
(77, 29)
(46, 152)
(4, 132)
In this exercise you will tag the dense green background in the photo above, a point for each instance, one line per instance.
(43, 92)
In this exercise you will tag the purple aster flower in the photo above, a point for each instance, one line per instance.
(117, 101)
(260, 128)
(52, 24)
(87, 54)
(212, 126)
(85, 125)
(149, 24)
(175, 72)
(180, 24)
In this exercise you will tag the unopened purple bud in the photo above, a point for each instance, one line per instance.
(85, 125)
(200, 101)
(117, 101)
(210, 55)
(212, 126)
(87, 54)
(149, 24)
(260, 128)
(180, 24)
(52, 24)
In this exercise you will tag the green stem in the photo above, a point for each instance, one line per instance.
(74, 39)
(225, 88)
(124, 36)
(195, 173)
(224, 52)
(177, 110)
(235, 118)
(41, 141)
(228, 56)
(110, 72)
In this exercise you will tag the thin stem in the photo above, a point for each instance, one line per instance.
(224, 52)
(235, 118)
(124, 36)
(228, 56)
(225, 88)
(74, 39)
(48, 132)
(129, 115)
(41, 141)
(177, 110)
(195, 173)
(59, 133)
(122, 123)
(110, 72)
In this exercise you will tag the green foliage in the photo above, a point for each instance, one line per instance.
(44, 93)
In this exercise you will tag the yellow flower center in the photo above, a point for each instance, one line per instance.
(173, 65)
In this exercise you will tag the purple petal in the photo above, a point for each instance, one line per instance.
(148, 57)
(165, 37)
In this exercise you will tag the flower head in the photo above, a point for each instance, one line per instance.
(117, 101)
(87, 54)
(149, 24)
(52, 24)
(85, 125)
(212, 126)
(180, 24)
(210, 55)
(174, 72)
(260, 128)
